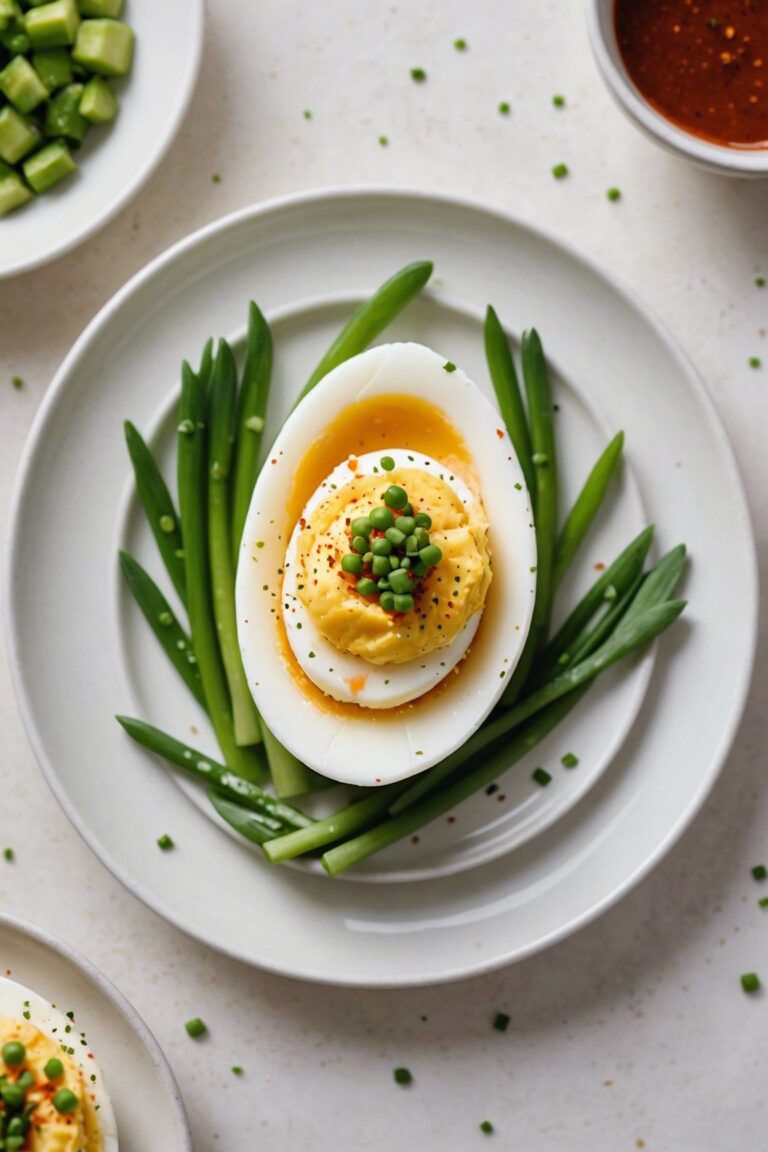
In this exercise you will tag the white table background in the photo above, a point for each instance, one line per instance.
(634, 1033)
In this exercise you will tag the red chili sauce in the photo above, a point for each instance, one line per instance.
(702, 63)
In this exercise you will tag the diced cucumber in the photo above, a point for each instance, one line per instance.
(104, 46)
(111, 8)
(9, 12)
(62, 116)
(14, 38)
(99, 103)
(13, 193)
(48, 166)
(53, 25)
(18, 136)
(22, 85)
(53, 67)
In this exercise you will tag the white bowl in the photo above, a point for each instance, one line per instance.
(117, 159)
(714, 157)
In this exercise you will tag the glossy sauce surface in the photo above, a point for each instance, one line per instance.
(397, 420)
(702, 63)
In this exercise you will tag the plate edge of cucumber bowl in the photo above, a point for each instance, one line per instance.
(350, 613)
(82, 74)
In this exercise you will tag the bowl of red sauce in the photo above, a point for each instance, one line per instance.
(692, 74)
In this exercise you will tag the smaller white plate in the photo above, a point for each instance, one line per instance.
(133, 1064)
(117, 159)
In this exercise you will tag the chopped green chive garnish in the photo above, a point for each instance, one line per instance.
(486, 1127)
(8, 854)
(501, 1021)
(750, 982)
(614, 194)
(560, 171)
(541, 777)
(763, 902)
(307, 114)
(196, 1028)
(460, 45)
(17, 383)
(713, 23)
(760, 872)
(569, 760)
(505, 108)
(384, 141)
(216, 178)
(237, 1070)
(165, 843)
(402, 1076)
(558, 101)
(449, 366)
(755, 361)
(760, 281)
(419, 75)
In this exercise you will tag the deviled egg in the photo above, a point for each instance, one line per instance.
(52, 1093)
(387, 572)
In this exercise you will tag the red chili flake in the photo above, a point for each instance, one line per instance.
(378, 779)
(302, 522)
(501, 797)
(352, 463)
(599, 567)
(273, 461)
(414, 839)
(451, 819)
(500, 433)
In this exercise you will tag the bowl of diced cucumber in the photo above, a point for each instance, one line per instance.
(80, 81)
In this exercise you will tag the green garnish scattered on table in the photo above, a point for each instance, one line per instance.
(486, 1127)
(403, 1076)
(419, 75)
(558, 101)
(755, 362)
(501, 1021)
(560, 171)
(614, 194)
(165, 843)
(196, 1028)
(760, 872)
(750, 982)
(8, 854)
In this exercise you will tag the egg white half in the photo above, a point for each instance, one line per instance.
(360, 745)
(376, 685)
(15, 1000)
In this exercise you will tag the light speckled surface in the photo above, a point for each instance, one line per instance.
(636, 1030)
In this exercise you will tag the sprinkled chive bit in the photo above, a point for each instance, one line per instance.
(614, 194)
(307, 114)
(750, 982)
(54, 1068)
(384, 141)
(763, 902)
(505, 108)
(760, 872)
(501, 1021)
(460, 45)
(14, 1053)
(541, 777)
(64, 1101)
(419, 75)
(237, 1070)
(486, 1127)
(449, 366)
(569, 760)
(760, 281)
(17, 383)
(560, 171)
(403, 1076)
(165, 843)
(216, 178)
(196, 1028)
(755, 361)
(558, 100)
(8, 854)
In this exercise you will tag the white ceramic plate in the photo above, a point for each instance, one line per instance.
(116, 160)
(79, 652)
(133, 1065)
